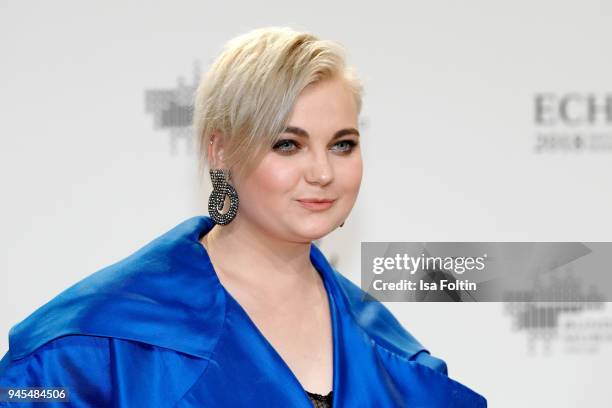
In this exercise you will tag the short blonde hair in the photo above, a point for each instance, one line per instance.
(250, 89)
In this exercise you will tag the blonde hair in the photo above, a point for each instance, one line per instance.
(250, 89)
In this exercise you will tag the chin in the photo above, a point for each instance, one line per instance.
(315, 230)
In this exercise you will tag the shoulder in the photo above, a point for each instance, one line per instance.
(159, 295)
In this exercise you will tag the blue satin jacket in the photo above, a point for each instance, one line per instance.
(157, 329)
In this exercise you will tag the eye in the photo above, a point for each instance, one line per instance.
(285, 146)
(346, 146)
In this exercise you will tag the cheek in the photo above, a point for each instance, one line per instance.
(271, 178)
(350, 175)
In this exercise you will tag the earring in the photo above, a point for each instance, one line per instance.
(342, 223)
(216, 201)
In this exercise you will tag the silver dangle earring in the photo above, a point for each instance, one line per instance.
(216, 201)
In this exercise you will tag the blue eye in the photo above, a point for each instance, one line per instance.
(284, 145)
(348, 145)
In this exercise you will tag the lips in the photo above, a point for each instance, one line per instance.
(316, 200)
(316, 204)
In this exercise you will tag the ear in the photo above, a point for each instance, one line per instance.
(216, 151)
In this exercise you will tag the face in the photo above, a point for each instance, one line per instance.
(318, 157)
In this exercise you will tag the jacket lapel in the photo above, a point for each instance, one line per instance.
(379, 363)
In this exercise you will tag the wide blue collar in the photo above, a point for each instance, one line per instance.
(167, 294)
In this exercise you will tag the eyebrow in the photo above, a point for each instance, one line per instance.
(301, 132)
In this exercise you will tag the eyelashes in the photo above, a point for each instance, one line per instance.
(286, 146)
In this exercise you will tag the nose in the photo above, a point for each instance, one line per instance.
(320, 170)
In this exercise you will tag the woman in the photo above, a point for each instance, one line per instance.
(241, 309)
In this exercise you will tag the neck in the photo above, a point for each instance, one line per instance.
(244, 253)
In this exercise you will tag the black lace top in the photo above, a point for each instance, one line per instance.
(321, 401)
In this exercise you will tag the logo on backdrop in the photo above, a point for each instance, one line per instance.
(573, 122)
(574, 327)
(172, 111)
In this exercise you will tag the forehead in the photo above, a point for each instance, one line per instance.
(329, 102)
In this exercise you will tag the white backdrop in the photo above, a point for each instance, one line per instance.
(448, 140)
